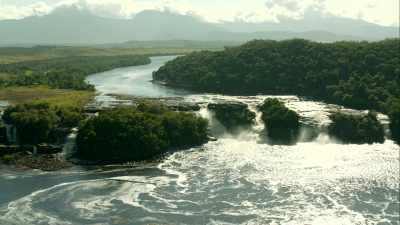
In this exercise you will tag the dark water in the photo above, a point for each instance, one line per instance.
(235, 180)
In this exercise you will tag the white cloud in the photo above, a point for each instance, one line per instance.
(384, 12)
(290, 5)
(17, 12)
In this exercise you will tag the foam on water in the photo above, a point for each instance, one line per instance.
(233, 182)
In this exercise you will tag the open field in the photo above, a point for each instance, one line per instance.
(13, 55)
(4, 75)
(57, 97)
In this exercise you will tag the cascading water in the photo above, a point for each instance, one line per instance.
(70, 144)
(234, 180)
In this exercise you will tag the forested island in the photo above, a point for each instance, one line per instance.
(139, 133)
(360, 75)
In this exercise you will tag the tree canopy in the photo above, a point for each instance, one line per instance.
(140, 133)
(36, 122)
(281, 123)
(356, 129)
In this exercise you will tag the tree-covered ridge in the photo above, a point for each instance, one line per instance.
(140, 133)
(64, 73)
(355, 74)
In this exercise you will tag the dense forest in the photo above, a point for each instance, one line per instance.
(361, 75)
(356, 74)
(64, 73)
(356, 129)
(139, 133)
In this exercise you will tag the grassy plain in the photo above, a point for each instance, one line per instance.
(56, 97)
(17, 54)
(28, 94)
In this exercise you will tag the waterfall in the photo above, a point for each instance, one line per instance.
(70, 144)
(11, 133)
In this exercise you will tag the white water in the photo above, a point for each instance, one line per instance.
(235, 180)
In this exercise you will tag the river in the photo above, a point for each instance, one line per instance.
(235, 180)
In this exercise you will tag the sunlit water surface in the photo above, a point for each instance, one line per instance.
(235, 180)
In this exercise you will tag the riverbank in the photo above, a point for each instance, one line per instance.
(28, 161)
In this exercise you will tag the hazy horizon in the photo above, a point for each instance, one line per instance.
(384, 13)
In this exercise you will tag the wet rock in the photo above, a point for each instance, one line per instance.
(172, 103)
(178, 105)
(48, 149)
(212, 139)
(232, 114)
(26, 160)
(38, 149)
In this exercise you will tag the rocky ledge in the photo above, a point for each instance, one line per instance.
(172, 103)
(25, 160)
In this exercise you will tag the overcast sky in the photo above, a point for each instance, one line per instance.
(385, 12)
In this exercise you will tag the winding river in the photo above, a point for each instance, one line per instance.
(235, 180)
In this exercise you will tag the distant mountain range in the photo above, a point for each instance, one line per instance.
(70, 25)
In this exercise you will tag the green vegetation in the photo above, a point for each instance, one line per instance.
(64, 73)
(177, 45)
(356, 129)
(141, 133)
(7, 159)
(361, 75)
(3, 133)
(41, 122)
(232, 114)
(355, 74)
(43, 94)
(394, 115)
(282, 124)
(20, 54)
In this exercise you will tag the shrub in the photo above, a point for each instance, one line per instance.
(281, 123)
(232, 114)
(8, 159)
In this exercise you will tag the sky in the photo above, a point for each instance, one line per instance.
(383, 12)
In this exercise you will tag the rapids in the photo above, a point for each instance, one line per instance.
(235, 180)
